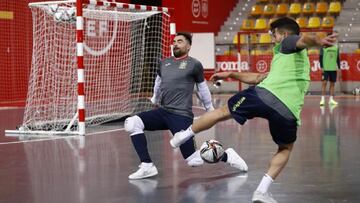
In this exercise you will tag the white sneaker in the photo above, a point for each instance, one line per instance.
(322, 102)
(145, 170)
(332, 102)
(178, 139)
(235, 160)
(195, 160)
(259, 197)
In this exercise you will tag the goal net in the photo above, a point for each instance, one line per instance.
(122, 49)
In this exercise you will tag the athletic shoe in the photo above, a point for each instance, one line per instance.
(178, 139)
(195, 160)
(259, 197)
(145, 170)
(322, 102)
(235, 160)
(332, 102)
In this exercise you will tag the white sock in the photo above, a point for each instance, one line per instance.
(188, 133)
(147, 164)
(331, 98)
(265, 184)
(322, 98)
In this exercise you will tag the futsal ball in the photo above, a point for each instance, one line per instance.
(64, 14)
(211, 151)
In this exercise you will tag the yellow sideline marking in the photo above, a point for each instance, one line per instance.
(6, 15)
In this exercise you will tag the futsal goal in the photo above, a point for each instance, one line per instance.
(92, 56)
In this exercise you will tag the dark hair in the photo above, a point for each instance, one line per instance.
(187, 35)
(285, 23)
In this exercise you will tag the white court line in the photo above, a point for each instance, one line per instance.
(74, 136)
(39, 140)
(106, 131)
(12, 107)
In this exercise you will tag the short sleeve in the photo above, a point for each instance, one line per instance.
(198, 72)
(288, 45)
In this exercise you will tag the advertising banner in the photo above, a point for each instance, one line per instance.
(350, 65)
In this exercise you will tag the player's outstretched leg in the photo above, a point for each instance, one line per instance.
(181, 137)
(190, 154)
(205, 122)
(134, 126)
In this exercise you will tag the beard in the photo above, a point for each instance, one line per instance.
(178, 53)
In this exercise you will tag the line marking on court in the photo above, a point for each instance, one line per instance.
(39, 140)
(75, 136)
(11, 107)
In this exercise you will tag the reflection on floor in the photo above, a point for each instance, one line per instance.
(324, 166)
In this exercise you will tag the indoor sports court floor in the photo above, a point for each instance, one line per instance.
(324, 167)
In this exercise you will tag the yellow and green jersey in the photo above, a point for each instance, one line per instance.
(289, 79)
(329, 58)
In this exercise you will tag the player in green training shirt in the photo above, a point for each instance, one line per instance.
(278, 98)
(330, 65)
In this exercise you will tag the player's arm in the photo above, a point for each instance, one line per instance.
(204, 95)
(246, 77)
(156, 92)
(202, 90)
(307, 41)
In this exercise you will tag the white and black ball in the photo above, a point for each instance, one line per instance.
(211, 151)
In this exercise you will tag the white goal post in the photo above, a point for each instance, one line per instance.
(92, 56)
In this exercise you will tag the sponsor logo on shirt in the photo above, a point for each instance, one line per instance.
(183, 65)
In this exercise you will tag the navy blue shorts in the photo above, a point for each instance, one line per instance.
(160, 119)
(329, 76)
(247, 105)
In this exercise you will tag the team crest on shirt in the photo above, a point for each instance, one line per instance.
(183, 65)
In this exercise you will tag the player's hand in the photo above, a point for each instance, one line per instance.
(211, 108)
(153, 100)
(329, 40)
(219, 76)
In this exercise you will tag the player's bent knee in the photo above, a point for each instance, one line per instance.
(134, 125)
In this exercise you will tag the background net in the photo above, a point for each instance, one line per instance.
(122, 51)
